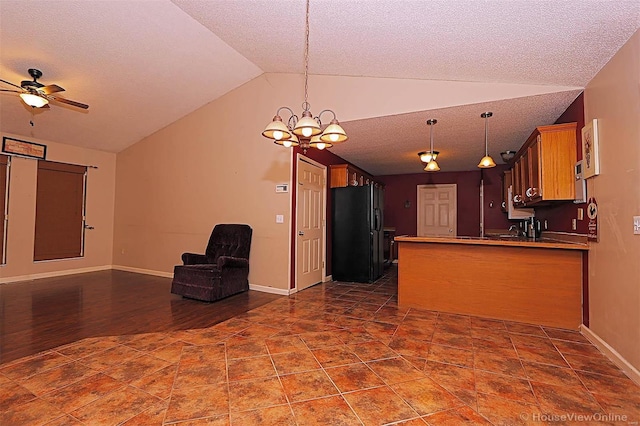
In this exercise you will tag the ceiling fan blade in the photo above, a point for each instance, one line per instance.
(11, 84)
(10, 90)
(51, 88)
(69, 102)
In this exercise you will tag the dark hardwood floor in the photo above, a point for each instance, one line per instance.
(42, 314)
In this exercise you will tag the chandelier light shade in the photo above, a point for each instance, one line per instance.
(277, 130)
(486, 162)
(305, 131)
(34, 100)
(432, 165)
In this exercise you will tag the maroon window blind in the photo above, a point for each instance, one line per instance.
(4, 160)
(59, 207)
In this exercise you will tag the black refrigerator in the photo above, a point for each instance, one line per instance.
(357, 237)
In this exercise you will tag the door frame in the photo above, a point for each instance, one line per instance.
(303, 158)
(437, 185)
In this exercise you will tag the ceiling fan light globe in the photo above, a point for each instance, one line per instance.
(34, 100)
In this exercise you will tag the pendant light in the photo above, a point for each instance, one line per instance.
(305, 131)
(432, 166)
(486, 162)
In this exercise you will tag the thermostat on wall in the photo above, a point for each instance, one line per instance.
(282, 187)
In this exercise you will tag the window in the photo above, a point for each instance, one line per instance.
(4, 198)
(60, 203)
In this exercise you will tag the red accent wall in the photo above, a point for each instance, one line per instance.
(401, 194)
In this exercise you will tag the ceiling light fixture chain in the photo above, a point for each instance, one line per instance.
(305, 105)
(305, 131)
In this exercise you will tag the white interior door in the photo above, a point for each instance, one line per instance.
(437, 211)
(310, 224)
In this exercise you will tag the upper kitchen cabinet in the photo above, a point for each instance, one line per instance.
(349, 175)
(545, 166)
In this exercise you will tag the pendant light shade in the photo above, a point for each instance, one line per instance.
(432, 165)
(426, 156)
(486, 162)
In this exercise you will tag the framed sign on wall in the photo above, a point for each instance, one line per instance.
(590, 149)
(23, 148)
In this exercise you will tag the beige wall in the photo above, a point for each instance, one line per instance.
(613, 97)
(22, 210)
(213, 166)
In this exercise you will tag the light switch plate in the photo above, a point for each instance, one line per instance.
(636, 225)
(279, 218)
(580, 214)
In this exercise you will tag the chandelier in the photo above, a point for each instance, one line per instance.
(305, 131)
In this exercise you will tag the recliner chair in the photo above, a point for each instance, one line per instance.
(222, 271)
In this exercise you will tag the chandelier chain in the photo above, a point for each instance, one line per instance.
(305, 106)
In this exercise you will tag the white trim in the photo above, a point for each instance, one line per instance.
(327, 278)
(266, 289)
(143, 271)
(52, 274)
(611, 353)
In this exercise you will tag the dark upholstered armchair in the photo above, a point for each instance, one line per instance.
(222, 271)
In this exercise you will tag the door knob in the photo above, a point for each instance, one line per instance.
(300, 232)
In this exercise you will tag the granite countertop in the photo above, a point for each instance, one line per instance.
(499, 240)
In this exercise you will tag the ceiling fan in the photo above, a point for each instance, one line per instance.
(37, 95)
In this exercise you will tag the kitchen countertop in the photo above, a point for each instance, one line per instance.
(509, 241)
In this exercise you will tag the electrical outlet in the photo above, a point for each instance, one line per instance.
(574, 224)
(279, 218)
(636, 225)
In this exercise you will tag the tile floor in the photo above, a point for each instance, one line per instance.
(334, 354)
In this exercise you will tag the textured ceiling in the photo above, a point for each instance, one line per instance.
(177, 56)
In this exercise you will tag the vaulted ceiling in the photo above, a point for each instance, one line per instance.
(142, 64)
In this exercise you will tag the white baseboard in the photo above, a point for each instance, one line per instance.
(53, 274)
(611, 353)
(266, 289)
(143, 271)
(328, 278)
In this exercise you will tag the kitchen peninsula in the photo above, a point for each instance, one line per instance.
(537, 282)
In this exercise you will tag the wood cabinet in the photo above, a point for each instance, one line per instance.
(349, 175)
(544, 167)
